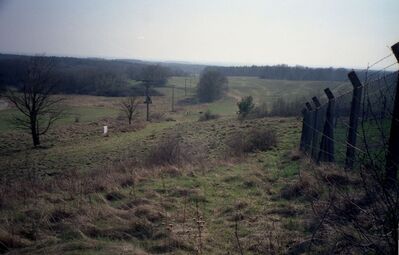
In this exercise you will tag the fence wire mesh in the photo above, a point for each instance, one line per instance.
(376, 116)
(331, 122)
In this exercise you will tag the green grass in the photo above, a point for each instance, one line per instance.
(83, 113)
(88, 114)
(264, 90)
(6, 117)
(222, 189)
(223, 186)
(225, 106)
(374, 133)
(88, 152)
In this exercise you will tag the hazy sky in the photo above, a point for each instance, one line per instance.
(347, 33)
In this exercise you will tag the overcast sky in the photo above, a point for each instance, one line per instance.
(347, 33)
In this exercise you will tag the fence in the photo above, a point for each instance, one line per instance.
(362, 122)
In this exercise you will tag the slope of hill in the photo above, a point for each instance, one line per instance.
(174, 185)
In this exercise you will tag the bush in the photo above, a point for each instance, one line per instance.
(212, 86)
(251, 141)
(260, 111)
(167, 152)
(245, 106)
(157, 116)
(261, 140)
(208, 115)
(174, 150)
(305, 187)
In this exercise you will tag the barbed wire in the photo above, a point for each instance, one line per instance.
(378, 72)
(332, 139)
(380, 60)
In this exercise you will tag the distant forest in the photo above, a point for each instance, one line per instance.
(113, 77)
(285, 72)
(83, 75)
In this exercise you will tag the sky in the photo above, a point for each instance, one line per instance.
(338, 33)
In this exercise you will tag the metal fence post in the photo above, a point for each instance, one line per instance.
(353, 119)
(391, 169)
(303, 134)
(309, 124)
(326, 153)
(316, 125)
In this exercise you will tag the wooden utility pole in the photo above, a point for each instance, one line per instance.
(185, 87)
(173, 98)
(392, 164)
(148, 100)
(190, 84)
(353, 119)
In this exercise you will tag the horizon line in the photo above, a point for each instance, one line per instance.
(174, 61)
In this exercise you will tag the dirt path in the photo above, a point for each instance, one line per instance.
(233, 94)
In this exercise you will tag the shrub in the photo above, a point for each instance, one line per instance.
(261, 140)
(305, 187)
(260, 111)
(245, 106)
(212, 86)
(251, 141)
(167, 152)
(208, 115)
(157, 116)
(173, 151)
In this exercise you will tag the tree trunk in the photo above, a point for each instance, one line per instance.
(35, 138)
(34, 132)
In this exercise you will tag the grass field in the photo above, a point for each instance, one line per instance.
(92, 108)
(108, 201)
(267, 91)
(220, 188)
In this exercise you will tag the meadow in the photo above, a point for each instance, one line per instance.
(110, 197)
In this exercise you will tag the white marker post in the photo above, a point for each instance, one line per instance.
(105, 131)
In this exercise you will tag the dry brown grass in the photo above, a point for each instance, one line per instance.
(126, 204)
(208, 115)
(174, 151)
(351, 212)
(73, 217)
(253, 140)
(306, 187)
(168, 151)
(71, 206)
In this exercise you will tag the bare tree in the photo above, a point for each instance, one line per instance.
(34, 100)
(128, 107)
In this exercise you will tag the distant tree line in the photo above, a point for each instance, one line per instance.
(88, 76)
(285, 72)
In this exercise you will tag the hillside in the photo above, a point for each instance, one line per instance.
(174, 185)
(112, 195)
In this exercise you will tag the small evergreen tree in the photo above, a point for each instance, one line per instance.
(245, 106)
